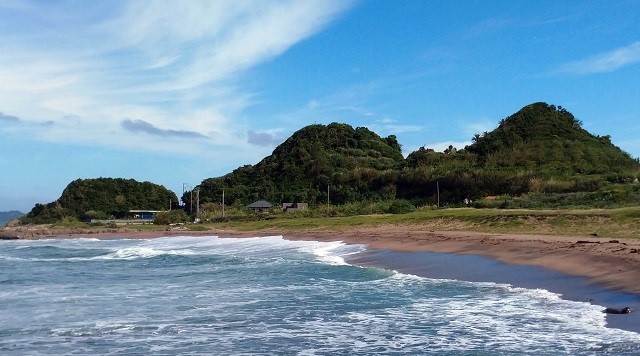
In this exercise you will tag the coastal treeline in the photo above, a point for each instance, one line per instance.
(541, 149)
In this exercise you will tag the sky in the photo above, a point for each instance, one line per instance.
(176, 92)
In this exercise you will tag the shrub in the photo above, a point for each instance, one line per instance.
(171, 217)
(70, 222)
(400, 206)
(94, 215)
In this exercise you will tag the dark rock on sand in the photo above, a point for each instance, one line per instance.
(625, 310)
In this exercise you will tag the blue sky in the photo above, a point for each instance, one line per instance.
(176, 92)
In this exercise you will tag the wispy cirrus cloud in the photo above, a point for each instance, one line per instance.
(606, 62)
(231, 36)
(171, 66)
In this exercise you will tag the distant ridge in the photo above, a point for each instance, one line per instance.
(7, 216)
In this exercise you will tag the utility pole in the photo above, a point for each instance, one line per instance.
(184, 189)
(198, 202)
(328, 196)
(170, 204)
(438, 189)
(223, 203)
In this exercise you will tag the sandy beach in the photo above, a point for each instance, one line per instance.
(613, 264)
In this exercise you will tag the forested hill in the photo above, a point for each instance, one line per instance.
(551, 141)
(540, 148)
(102, 198)
(353, 162)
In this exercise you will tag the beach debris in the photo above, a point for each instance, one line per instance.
(625, 310)
(8, 237)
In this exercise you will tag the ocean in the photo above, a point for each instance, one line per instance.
(268, 295)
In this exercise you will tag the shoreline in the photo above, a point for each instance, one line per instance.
(475, 268)
(588, 269)
(611, 263)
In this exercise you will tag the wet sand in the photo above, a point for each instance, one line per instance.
(474, 268)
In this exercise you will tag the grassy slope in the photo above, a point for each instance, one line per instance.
(610, 223)
(605, 223)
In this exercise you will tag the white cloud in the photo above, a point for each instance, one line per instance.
(441, 146)
(266, 139)
(173, 66)
(393, 129)
(606, 62)
(231, 36)
(471, 127)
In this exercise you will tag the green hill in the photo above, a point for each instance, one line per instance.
(539, 149)
(549, 141)
(102, 198)
(356, 164)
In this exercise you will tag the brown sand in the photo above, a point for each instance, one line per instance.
(613, 264)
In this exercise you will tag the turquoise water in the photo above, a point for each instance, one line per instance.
(206, 295)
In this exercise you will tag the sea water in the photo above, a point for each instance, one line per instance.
(209, 295)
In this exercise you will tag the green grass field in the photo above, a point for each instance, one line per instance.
(606, 223)
(610, 223)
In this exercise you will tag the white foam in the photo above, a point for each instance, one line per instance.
(325, 252)
(269, 246)
(11, 258)
(141, 252)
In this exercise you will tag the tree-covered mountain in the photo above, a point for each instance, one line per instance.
(540, 148)
(7, 216)
(102, 198)
(356, 164)
(550, 141)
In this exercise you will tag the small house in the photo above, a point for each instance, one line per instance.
(143, 214)
(260, 206)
